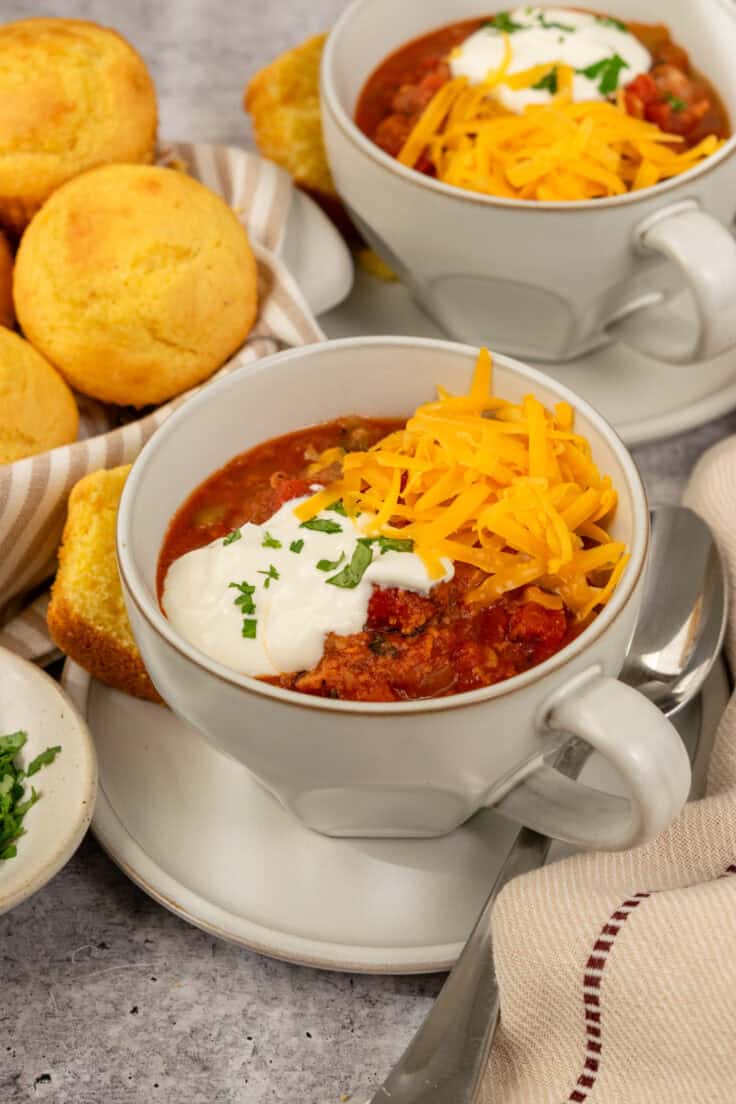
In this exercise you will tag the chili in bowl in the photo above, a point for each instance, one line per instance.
(544, 103)
(409, 763)
(370, 559)
(547, 178)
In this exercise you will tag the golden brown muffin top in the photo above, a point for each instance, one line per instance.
(72, 95)
(136, 282)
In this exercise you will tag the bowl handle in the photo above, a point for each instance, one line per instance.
(705, 252)
(639, 743)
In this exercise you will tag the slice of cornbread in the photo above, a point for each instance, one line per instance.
(86, 615)
(283, 101)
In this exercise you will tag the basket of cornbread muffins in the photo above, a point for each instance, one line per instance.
(130, 275)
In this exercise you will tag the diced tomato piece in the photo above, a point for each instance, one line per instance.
(638, 94)
(492, 624)
(662, 115)
(286, 488)
(400, 610)
(533, 623)
(643, 87)
(392, 132)
(674, 101)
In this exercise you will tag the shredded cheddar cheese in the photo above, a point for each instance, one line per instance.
(508, 488)
(557, 151)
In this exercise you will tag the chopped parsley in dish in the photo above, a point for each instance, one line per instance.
(15, 801)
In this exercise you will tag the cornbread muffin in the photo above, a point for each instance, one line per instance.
(137, 282)
(283, 101)
(72, 95)
(86, 614)
(37, 409)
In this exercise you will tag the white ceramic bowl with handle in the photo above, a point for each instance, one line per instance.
(548, 281)
(412, 768)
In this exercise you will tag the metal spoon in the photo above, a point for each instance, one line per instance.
(683, 616)
(677, 640)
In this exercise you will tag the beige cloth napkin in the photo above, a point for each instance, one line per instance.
(34, 492)
(617, 972)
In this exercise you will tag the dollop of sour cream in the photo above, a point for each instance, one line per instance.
(262, 603)
(603, 53)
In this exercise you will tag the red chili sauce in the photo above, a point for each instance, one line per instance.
(673, 95)
(411, 647)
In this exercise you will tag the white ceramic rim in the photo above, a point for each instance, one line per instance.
(71, 832)
(150, 610)
(352, 132)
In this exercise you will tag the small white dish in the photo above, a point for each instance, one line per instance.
(32, 701)
(197, 833)
(642, 398)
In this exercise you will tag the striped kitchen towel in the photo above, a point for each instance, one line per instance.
(617, 972)
(34, 491)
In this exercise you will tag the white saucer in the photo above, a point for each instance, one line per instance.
(643, 398)
(199, 835)
(55, 825)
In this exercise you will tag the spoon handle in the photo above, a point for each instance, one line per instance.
(446, 1059)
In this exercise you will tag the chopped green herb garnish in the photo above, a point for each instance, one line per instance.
(232, 537)
(548, 83)
(606, 72)
(503, 24)
(675, 102)
(329, 565)
(393, 544)
(245, 597)
(14, 802)
(351, 575)
(250, 625)
(338, 508)
(11, 744)
(272, 573)
(296, 546)
(321, 525)
(43, 760)
(270, 542)
(551, 26)
(609, 21)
